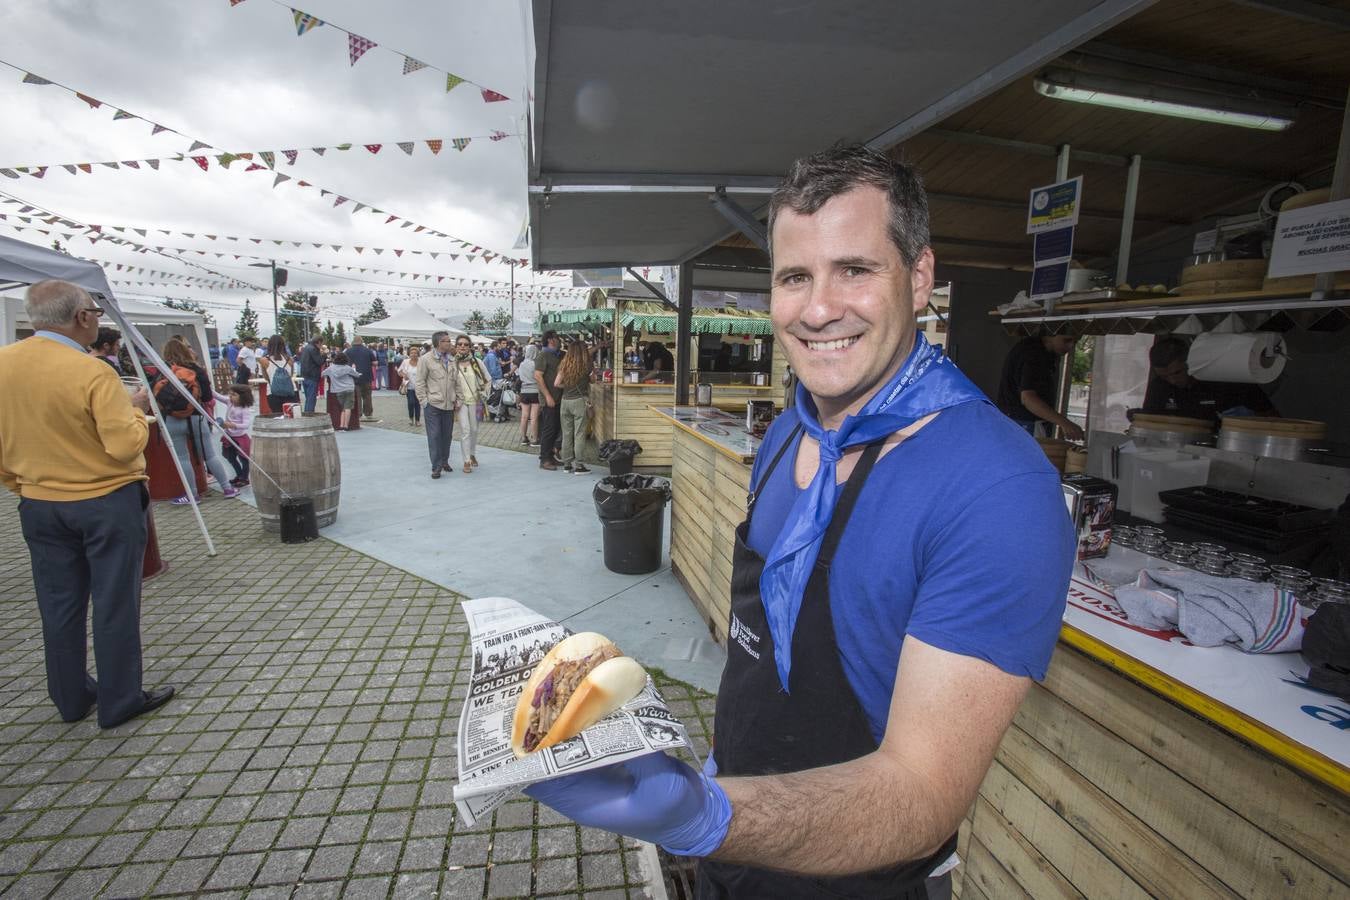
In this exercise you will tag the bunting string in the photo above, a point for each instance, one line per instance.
(358, 45)
(257, 160)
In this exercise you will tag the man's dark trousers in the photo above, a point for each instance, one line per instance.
(550, 429)
(440, 426)
(366, 403)
(79, 548)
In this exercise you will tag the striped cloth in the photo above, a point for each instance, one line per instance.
(1209, 611)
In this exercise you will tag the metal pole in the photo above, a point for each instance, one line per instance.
(1065, 364)
(512, 327)
(1062, 163)
(276, 313)
(1127, 219)
(684, 322)
(1340, 187)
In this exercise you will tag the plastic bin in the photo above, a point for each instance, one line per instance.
(632, 520)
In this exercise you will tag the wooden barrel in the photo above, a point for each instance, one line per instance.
(302, 456)
(1055, 450)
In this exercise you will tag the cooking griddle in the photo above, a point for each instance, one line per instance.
(1273, 517)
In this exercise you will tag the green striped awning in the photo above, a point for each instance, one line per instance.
(666, 323)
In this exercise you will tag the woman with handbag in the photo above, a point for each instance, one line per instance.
(407, 370)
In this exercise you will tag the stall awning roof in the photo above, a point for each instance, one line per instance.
(661, 319)
(410, 322)
(638, 116)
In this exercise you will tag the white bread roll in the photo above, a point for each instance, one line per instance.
(603, 690)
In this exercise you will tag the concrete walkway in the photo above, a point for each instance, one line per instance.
(513, 529)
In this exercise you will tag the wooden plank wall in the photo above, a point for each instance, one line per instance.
(634, 420)
(709, 491)
(602, 402)
(1104, 789)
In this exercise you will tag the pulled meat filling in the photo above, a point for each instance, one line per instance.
(552, 694)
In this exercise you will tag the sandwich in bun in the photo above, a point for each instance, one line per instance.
(580, 681)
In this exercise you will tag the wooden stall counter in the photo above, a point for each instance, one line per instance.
(1146, 766)
(711, 453)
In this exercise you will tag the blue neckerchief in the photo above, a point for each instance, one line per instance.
(926, 383)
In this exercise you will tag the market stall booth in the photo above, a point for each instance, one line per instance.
(729, 355)
(1144, 765)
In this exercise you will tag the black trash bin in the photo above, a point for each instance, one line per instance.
(619, 455)
(631, 510)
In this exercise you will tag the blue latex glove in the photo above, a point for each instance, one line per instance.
(653, 798)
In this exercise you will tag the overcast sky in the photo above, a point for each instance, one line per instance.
(241, 79)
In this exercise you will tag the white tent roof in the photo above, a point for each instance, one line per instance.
(410, 322)
(22, 263)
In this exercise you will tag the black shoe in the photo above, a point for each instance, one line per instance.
(153, 700)
(579, 469)
(436, 472)
(567, 467)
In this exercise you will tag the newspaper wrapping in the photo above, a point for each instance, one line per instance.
(508, 640)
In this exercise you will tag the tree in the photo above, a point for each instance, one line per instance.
(190, 306)
(1082, 360)
(247, 326)
(500, 320)
(56, 245)
(376, 313)
(295, 316)
(339, 335)
(328, 333)
(475, 323)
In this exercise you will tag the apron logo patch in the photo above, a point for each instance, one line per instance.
(743, 636)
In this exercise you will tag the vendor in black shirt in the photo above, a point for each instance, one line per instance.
(658, 362)
(1172, 391)
(1026, 389)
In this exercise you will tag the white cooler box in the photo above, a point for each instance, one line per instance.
(1146, 473)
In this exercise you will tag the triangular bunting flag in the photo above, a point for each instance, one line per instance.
(452, 81)
(359, 249)
(343, 147)
(390, 219)
(357, 46)
(9, 173)
(157, 129)
(254, 167)
(374, 148)
(30, 78)
(269, 158)
(86, 168)
(111, 165)
(122, 114)
(305, 22)
(153, 163)
(131, 163)
(225, 159)
(279, 179)
(201, 161)
(339, 201)
(319, 150)
(406, 147)
(398, 253)
(461, 143)
(356, 209)
(69, 168)
(498, 136)
(436, 145)
(93, 104)
(290, 155)
(236, 2)
(493, 97)
(411, 65)
(198, 145)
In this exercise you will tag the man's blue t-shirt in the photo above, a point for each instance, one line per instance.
(362, 360)
(959, 537)
(494, 365)
(232, 355)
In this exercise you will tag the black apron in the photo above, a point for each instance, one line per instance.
(761, 730)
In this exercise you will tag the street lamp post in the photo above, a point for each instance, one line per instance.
(276, 309)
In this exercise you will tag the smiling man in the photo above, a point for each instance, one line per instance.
(897, 584)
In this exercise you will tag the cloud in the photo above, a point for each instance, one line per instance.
(240, 79)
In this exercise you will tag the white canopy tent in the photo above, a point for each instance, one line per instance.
(411, 322)
(22, 264)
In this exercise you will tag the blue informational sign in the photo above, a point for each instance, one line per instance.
(1054, 205)
(1049, 280)
(1054, 246)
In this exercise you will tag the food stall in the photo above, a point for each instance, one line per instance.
(1143, 765)
(730, 352)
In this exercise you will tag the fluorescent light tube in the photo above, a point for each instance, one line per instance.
(1163, 102)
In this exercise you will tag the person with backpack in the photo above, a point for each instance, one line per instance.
(278, 370)
(187, 428)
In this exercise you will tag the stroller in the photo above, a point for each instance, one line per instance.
(502, 396)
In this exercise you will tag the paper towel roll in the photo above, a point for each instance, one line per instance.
(1253, 358)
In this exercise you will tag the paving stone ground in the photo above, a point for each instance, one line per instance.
(310, 751)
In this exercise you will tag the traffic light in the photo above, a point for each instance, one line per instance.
(279, 278)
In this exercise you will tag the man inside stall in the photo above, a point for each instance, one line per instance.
(1172, 391)
(658, 361)
(1026, 389)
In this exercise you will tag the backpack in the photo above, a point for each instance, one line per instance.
(171, 401)
(280, 384)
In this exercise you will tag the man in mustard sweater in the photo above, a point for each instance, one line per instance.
(71, 447)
